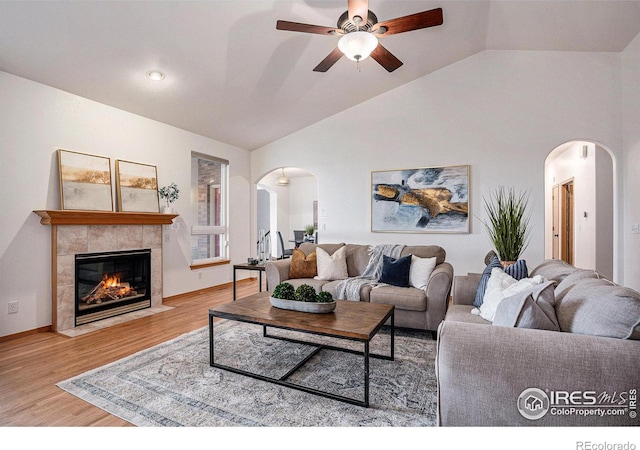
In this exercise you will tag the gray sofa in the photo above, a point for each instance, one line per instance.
(414, 308)
(488, 374)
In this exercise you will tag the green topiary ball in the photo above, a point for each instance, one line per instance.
(285, 291)
(306, 293)
(325, 297)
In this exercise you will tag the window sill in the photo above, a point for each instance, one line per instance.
(203, 265)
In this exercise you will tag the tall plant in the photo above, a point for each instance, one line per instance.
(508, 223)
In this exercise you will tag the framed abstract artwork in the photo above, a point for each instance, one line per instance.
(137, 186)
(421, 200)
(84, 181)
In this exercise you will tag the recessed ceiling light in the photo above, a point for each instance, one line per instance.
(155, 75)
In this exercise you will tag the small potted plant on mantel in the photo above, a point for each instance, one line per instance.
(169, 194)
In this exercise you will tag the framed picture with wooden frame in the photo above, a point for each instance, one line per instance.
(84, 181)
(421, 200)
(137, 187)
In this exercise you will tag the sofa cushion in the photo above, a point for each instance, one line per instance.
(553, 269)
(599, 307)
(420, 271)
(403, 298)
(426, 251)
(529, 309)
(572, 279)
(462, 313)
(500, 286)
(303, 266)
(331, 267)
(396, 271)
(330, 286)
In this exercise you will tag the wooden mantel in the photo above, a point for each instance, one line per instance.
(71, 217)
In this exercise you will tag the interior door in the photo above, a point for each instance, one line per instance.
(567, 221)
(555, 222)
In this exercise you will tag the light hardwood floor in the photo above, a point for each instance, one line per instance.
(31, 366)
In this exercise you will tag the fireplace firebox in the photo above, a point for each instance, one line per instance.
(112, 283)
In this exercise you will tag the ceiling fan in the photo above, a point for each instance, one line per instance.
(360, 31)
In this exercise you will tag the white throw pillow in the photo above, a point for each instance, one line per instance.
(420, 271)
(501, 286)
(331, 267)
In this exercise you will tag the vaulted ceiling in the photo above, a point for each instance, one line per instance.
(231, 76)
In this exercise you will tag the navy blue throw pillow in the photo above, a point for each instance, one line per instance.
(482, 286)
(518, 270)
(396, 271)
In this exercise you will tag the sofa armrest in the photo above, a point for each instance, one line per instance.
(464, 288)
(277, 271)
(437, 292)
(483, 369)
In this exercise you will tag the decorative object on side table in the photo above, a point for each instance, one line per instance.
(508, 223)
(169, 194)
(304, 298)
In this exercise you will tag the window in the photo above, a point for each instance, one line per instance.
(209, 177)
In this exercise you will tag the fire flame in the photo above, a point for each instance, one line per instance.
(113, 281)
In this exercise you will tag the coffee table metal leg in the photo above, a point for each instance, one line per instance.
(366, 374)
(210, 340)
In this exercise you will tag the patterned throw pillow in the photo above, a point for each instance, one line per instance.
(303, 266)
(396, 271)
(484, 279)
(517, 270)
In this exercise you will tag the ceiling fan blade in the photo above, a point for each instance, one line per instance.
(304, 27)
(385, 58)
(411, 22)
(329, 61)
(358, 8)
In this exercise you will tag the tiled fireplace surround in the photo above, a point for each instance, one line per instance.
(67, 240)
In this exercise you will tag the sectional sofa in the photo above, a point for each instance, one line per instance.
(585, 374)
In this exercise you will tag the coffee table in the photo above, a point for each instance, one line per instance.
(352, 321)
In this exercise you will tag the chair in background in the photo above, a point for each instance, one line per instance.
(284, 252)
(298, 235)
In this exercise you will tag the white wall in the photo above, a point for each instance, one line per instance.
(501, 112)
(302, 193)
(631, 126)
(35, 120)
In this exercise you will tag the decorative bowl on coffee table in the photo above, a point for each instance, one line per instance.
(310, 307)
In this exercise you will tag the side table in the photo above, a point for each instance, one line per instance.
(256, 267)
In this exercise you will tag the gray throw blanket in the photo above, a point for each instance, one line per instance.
(349, 289)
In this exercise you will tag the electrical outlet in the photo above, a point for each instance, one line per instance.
(13, 307)
(635, 228)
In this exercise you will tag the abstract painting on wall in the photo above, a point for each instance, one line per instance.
(84, 181)
(137, 186)
(422, 200)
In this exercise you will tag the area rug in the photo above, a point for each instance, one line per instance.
(172, 384)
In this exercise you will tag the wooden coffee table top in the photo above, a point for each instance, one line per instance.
(354, 320)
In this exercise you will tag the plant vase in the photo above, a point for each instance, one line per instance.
(310, 307)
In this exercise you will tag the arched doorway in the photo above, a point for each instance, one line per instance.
(286, 207)
(579, 203)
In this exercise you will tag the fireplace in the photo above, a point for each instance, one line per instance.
(111, 283)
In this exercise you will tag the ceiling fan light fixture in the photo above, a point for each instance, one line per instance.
(283, 180)
(357, 45)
